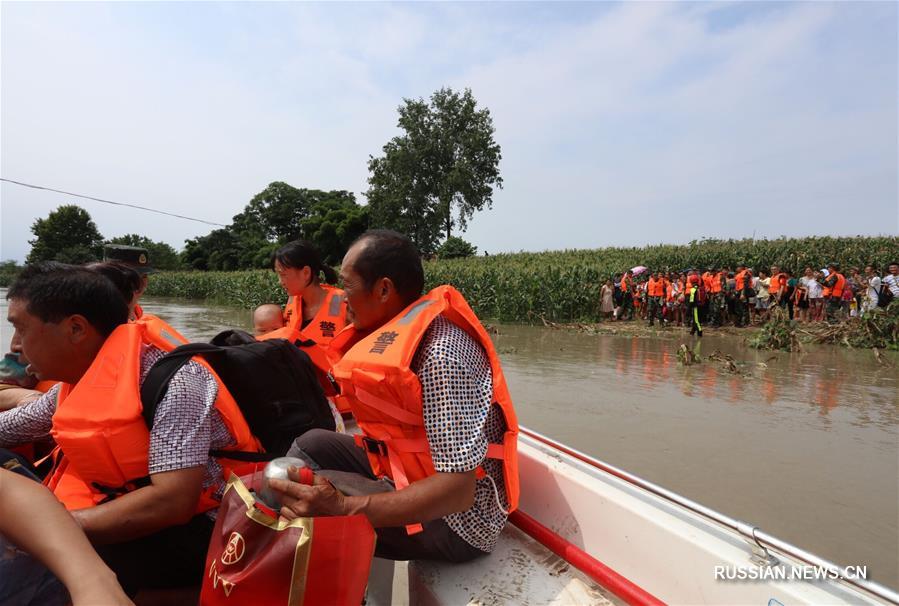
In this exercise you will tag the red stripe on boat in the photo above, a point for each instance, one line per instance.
(583, 561)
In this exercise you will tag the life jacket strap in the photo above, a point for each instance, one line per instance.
(113, 492)
(388, 408)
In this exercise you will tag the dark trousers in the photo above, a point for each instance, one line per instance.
(627, 307)
(170, 558)
(336, 457)
(741, 311)
(655, 309)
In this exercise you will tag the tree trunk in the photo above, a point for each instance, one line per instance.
(449, 219)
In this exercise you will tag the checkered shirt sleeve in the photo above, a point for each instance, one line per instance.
(460, 420)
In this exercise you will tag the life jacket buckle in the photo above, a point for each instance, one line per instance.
(376, 447)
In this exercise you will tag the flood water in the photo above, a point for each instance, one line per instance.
(806, 446)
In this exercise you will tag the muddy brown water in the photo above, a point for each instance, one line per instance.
(806, 446)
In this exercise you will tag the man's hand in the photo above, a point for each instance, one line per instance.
(302, 500)
(433, 497)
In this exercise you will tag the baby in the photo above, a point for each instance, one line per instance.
(267, 318)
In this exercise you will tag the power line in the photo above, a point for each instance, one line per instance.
(152, 210)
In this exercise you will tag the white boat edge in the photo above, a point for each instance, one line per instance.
(665, 547)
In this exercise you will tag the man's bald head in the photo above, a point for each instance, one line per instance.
(267, 318)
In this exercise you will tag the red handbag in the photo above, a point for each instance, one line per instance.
(256, 558)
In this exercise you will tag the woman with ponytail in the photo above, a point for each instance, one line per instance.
(315, 311)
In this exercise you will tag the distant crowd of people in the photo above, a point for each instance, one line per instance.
(741, 297)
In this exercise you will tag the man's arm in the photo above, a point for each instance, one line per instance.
(48, 533)
(180, 440)
(433, 497)
(28, 422)
(171, 499)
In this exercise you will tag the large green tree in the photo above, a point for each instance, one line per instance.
(439, 172)
(68, 234)
(162, 255)
(278, 214)
(333, 224)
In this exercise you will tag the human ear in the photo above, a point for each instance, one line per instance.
(77, 328)
(385, 287)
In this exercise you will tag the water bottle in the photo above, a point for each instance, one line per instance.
(277, 469)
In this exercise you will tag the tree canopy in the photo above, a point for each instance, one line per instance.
(439, 172)
(68, 235)
(278, 214)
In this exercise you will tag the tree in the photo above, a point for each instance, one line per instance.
(162, 255)
(217, 251)
(68, 234)
(333, 224)
(439, 172)
(456, 248)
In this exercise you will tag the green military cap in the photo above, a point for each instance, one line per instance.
(134, 257)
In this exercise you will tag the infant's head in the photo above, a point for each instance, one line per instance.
(267, 318)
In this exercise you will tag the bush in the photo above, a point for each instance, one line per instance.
(456, 248)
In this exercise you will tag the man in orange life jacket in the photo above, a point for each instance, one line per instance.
(627, 296)
(69, 322)
(834, 284)
(425, 385)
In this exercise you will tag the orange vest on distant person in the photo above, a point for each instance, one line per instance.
(101, 432)
(778, 281)
(716, 282)
(740, 280)
(316, 336)
(385, 395)
(837, 290)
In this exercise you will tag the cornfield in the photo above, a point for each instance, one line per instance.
(560, 286)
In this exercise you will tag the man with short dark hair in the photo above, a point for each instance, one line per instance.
(891, 280)
(411, 366)
(141, 494)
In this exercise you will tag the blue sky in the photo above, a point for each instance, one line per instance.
(620, 124)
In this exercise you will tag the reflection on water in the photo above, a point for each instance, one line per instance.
(806, 446)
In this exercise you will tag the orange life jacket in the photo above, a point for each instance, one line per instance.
(385, 395)
(778, 281)
(315, 338)
(328, 321)
(625, 284)
(716, 282)
(741, 280)
(100, 429)
(836, 291)
(655, 288)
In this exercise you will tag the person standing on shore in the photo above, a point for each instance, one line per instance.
(835, 284)
(891, 282)
(606, 305)
(627, 296)
(763, 295)
(716, 297)
(694, 301)
(742, 294)
(816, 296)
(873, 285)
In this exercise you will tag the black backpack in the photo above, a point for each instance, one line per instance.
(885, 296)
(273, 381)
